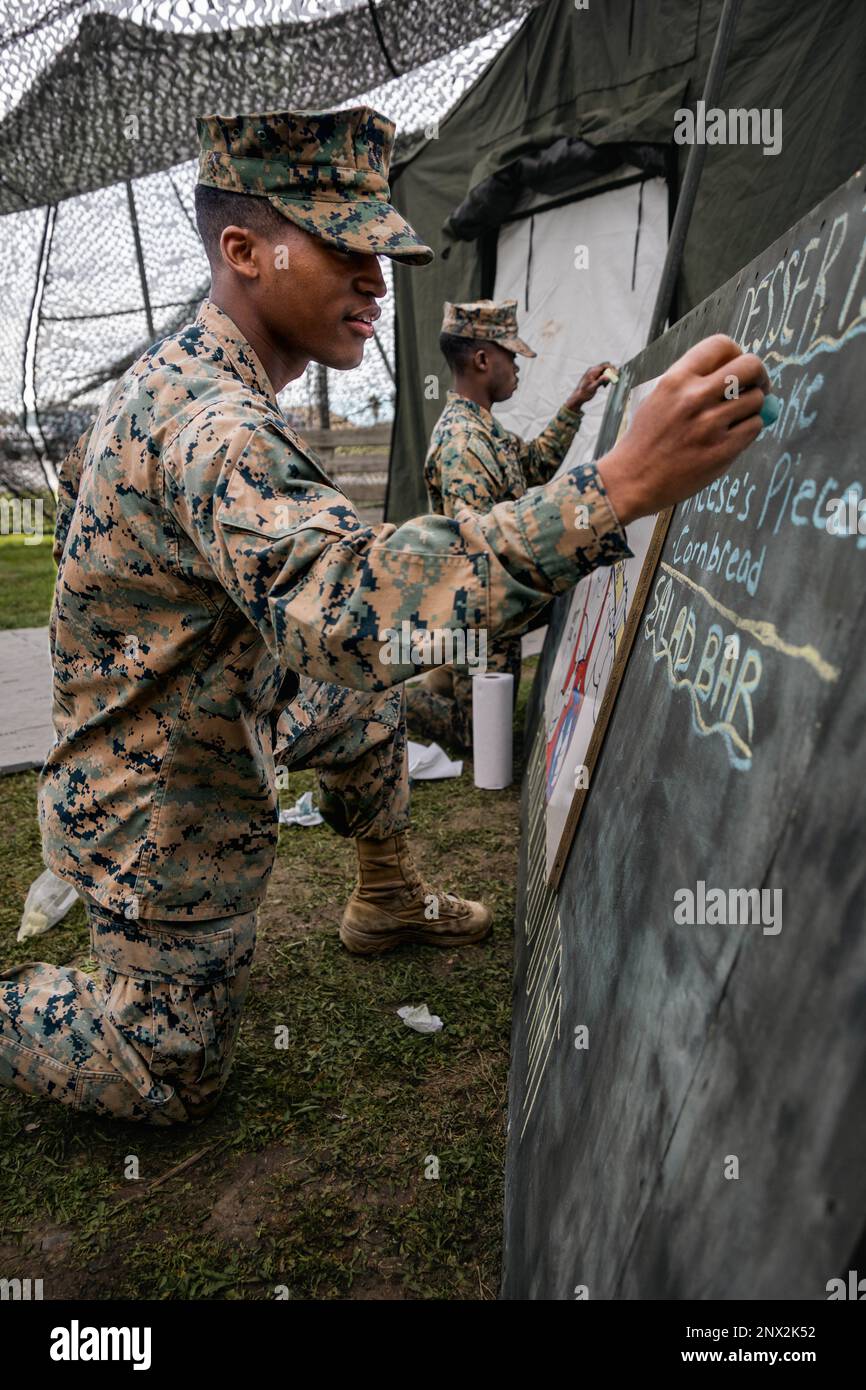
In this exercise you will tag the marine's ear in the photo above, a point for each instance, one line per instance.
(240, 250)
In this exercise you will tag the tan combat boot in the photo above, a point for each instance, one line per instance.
(392, 905)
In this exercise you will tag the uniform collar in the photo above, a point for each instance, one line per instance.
(240, 354)
(470, 405)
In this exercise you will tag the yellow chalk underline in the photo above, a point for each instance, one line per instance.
(764, 632)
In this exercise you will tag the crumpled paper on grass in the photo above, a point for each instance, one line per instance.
(302, 813)
(427, 762)
(419, 1017)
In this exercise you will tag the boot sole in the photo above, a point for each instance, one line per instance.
(362, 943)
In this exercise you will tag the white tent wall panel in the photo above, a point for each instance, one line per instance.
(574, 317)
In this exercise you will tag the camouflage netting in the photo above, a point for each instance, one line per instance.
(97, 118)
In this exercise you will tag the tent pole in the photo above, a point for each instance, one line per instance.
(395, 72)
(28, 377)
(322, 399)
(120, 364)
(382, 353)
(53, 483)
(692, 177)
(133, 217)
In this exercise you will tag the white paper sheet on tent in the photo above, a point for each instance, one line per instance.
(576, 318)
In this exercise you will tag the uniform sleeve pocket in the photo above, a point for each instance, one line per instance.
(250, 504)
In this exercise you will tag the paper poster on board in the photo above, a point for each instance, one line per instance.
(587, 667)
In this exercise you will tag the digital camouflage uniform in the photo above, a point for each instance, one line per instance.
(474, 461)
(218, 608)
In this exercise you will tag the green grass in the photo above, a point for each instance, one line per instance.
(313, 1179)
(26, 581)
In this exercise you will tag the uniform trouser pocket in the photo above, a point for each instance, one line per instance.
(177, 1029)
(173, 1004)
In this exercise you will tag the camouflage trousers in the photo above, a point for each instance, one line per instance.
(357, 743)
(151, 1037)
(446, 718)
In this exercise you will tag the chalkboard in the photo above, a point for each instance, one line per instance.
(687, 1098)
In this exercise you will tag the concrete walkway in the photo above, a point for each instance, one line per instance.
(25, 698)
(532, 643)
(25, 695)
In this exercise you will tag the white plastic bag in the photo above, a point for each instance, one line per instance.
(48, 901)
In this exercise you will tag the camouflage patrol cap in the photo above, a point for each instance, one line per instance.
(326, 171)
(489, 320)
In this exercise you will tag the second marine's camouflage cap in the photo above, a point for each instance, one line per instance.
(327, 171)
(492, 321)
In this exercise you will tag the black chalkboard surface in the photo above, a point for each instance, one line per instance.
(687, 1100)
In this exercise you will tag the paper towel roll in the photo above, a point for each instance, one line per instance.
(492, 703)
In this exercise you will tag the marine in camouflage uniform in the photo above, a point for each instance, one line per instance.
(220, 609)
(474, 461)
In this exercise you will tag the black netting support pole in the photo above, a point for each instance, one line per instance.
(322, 398)
(47, 244)
(371, 6)
(694, 166)
(31, 328)
(133, 218)
(182, 205)
(28, 366)
(122, 364)
(383, 354)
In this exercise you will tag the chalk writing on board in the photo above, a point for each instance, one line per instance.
(724, 534)
(720, 674)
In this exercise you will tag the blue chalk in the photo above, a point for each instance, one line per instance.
(770, 410)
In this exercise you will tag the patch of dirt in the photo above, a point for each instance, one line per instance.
(44, 1254)
(385, 1284)
(245, 1201)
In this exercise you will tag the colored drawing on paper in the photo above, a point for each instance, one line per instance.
(593, 634)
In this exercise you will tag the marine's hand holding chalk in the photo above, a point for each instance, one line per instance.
(592, 379)
(770, 410)
(689, 430)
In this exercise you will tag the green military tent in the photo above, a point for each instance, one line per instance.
(580, 104)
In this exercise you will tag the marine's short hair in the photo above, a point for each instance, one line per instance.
(216, 209)
(458, 351)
